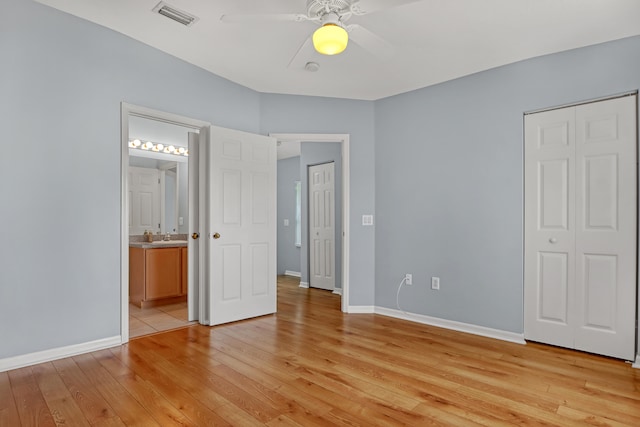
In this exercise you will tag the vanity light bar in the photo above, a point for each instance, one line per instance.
(158, 147)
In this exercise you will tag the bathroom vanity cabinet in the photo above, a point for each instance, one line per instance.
(157, 275)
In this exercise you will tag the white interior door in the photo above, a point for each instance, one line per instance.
(144, 200)
(322, 226)
(241, 225)
(580, 227)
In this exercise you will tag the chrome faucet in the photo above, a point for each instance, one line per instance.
(167, 237)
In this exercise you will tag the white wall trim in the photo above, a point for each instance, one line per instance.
(637, 363)
(21, 361)
(361, 309)
(304, 284)
(337, 291)
(292, 273)
(346, 197)
(453, 325)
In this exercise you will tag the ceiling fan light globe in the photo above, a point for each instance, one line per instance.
(330, 39)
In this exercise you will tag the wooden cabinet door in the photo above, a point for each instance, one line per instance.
(137, 278)
(163, 273)
(184, 269)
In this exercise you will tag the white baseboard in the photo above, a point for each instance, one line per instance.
(292, 273)
(21, 361)
(453, 325)
(304, 284)
(337, 291)
(637, 363)
(360, 309)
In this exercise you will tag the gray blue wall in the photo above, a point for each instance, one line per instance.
(288, 252)
(449, 180)
(311, 154)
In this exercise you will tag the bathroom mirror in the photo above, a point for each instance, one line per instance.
(157, 181)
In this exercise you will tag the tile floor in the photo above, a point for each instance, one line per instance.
(145, 321)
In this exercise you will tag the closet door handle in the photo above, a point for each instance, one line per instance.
(553, 240)
(194, 236)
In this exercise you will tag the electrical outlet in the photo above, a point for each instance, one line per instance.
(408, 279)
(435, 283)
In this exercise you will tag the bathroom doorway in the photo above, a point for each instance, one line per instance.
(157, 278)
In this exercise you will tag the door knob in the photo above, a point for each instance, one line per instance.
(553, 240)
(216, 235)
(194, 236)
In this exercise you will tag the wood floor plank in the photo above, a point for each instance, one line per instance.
(90, 401)
(123, 403)
(32, 408)
(8, 410)
(147, 396)
(314, 366)
(158, 372)
(64, 409)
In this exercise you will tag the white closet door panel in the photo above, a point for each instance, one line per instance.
(606, 227)
(553, 287)
(553, 197)
(549, 227)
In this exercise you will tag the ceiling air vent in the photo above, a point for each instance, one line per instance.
(177, 15)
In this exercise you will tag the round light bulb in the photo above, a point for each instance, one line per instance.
(180, 150)
(136, 143)
(172, 148)
(330, 39)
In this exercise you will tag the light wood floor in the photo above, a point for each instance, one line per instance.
(310, 365)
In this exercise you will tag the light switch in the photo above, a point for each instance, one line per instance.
(180, 220)
(286, 222)
(367, 219)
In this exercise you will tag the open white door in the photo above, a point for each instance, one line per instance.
(241, 225)
(322, 231)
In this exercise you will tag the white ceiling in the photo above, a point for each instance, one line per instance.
(432, 40)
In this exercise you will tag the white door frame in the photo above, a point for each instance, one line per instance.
(344, 140)
(127, 110)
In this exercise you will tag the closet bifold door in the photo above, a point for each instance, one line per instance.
(549, 227)
(606, 227)
(580, 227)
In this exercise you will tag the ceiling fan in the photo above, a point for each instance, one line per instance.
(333, 34)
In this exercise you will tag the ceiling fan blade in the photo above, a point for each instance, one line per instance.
(303, 55)
(269, 17)
(362, 7)
(370, 42)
